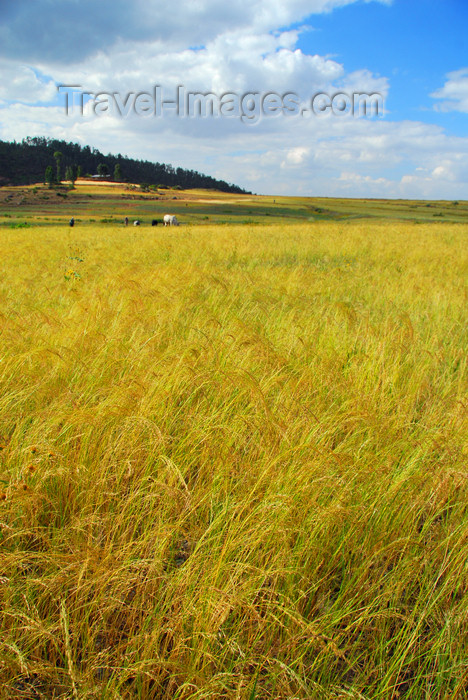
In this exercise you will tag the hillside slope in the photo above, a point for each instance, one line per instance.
(25, 163)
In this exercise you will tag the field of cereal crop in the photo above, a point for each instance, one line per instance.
(233, 460)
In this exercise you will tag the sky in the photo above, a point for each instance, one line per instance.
(264, 62)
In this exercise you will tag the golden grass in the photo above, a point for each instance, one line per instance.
(234, 462)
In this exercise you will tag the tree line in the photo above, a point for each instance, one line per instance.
(42, 159)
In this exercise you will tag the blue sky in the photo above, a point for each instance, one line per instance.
(409, 51)
(413, 42)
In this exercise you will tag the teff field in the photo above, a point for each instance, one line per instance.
(233, 455)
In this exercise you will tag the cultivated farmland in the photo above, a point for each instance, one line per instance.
(233, 456)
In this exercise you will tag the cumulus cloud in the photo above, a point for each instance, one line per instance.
(21, 83)
(233, 61)
(454, 94)
(304, 156)
(58, 31)
(295, 156)
(209, 47)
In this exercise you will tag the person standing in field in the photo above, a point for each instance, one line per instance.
(72, 221)
(126, 221)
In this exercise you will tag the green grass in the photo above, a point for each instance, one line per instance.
(234, 461)
(94, 200)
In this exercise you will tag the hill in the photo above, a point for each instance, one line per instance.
(109, 202)
(25, 163)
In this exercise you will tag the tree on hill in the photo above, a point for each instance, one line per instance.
(70, 175)
(25, 163)
(117, 173)
(58, 155)
(49, 176)
(102, 170)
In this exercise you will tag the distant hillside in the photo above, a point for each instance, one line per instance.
(25, 163)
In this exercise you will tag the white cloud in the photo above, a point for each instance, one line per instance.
(295, 156)
(59, 32)
(444, 172)
(454, 94)
(143, 44)
(233, 61)
(363, 81)
(290, 155)
(21, 83)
